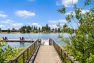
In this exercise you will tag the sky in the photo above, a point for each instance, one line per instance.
(17, 13)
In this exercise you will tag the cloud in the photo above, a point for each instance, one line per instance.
(36, 24)
(57, 21)
(66, 3)
(3, 15)
(25, 13)
(68, 13)
(83, 12)
(53, 26)
(54, 23)
(17, 25)
(1, 26)
(8, 23)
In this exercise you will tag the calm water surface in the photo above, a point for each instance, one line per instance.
(54, 36)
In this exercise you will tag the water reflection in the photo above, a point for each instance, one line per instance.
(17, 44)
(54, 36)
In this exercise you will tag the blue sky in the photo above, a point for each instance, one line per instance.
(16, 13)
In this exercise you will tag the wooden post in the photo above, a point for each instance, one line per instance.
(31, 50)
(64, 58)
(27, 53)
(11, 61)
(24, 57)
(16, 61)
(61, 53)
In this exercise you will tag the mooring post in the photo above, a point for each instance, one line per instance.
(5, 38)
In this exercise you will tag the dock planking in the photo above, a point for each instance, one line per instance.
(47, 54)
(18, 40)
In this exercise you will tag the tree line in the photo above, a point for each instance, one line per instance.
(34, 29)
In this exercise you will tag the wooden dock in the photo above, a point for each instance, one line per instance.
(44, 51)
(18, 40)
(47, 54)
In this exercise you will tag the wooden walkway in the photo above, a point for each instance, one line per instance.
(47, 54)
(18, 40)
(44, 51)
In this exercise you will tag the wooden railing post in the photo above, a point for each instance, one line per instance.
(61, 54)
(27, 53)
(16, 61)
(30, 50)
(23, 57)
(39, 42)
(50, 42)
(64, 57)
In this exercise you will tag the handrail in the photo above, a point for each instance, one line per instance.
(64, 55)
(27, 54)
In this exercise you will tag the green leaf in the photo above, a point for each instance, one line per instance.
(87, 2)
(62, 10)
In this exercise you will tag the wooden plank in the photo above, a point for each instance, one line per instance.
(47, 54)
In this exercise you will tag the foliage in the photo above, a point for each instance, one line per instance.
(8, 31)
(81, 45)
(62, 10)
(66, 29)
(46, 28)
(9, 53)
(25, 29)
(90, 59)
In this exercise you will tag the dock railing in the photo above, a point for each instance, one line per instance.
(64, 55)
(29, 53)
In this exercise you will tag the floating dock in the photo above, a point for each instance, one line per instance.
(18, 40)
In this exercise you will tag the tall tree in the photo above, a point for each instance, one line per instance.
(82, 43)
(46, 28)
(25, 29)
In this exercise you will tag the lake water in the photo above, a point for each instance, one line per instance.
(54, 36)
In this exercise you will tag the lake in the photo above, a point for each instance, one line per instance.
(54, 36)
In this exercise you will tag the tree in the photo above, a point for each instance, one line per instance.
(25, 29)
(46, 28)
(28, 29)
(67, 29)
(39, 29)
(0, 30)
(13, 30)
(82, 43)
(8, 30)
